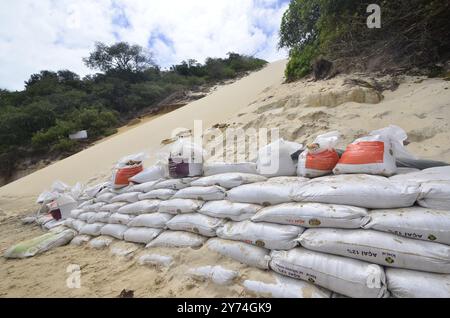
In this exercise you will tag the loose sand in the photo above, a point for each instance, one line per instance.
(300, 110)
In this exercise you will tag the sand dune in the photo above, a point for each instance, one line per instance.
(96, 162)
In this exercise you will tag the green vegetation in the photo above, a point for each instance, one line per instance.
(413, 33)
(38, 120)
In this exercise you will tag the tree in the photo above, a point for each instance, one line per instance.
(119, 57)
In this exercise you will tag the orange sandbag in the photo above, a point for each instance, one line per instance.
(123, 174)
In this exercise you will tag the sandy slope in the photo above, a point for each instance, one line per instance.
(97, 161)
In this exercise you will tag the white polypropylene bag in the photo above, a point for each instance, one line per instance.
(375, 153)
(126, 197)
(77, 225)
(313, 215)
(230, 210)
(217, 274)
(150, 174)
(380, 248)
(178, 206)
(270, 236)
(213, 168)
(155, 220)
(161, 194)
(435, 195)
(101, 242)
(248, 254)
(416, 223)
(105, 197)
(118, 218)
(113, 207)
(80, 240)
(101, 217)
(201, 193)
(94, 207)
(195, 223)
(40, 244)
(285, 287)
(343, 275)
(228, 180)
(373, 192)
(266, 193)
(141, 234)
(124, 249)
(275, 159)
(320, 157)
(174, 184)
(85, 216)
(114, 230)
(178, 239)
(155, 260)
(92, 229)
(140, 207)
(74, 214)
(403, 283)
(430, 174)
(144, 187)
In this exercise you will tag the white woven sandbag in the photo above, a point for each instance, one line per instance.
(230, 210)
(93, 207)
(195, 223)
(266, 193)
(403, 283)
(285, 287)
(118, 218)
(155, 260)
(270, 236)
(228, 180)
(201, 193)
(416, 223)
(248, 254)
(126, 197)
(80, 240)
(123, 250)
(346, 276)
(150, 174)
(92, 229)
(76, 213)
(275, 159)
(174, 184)
(105, 197)
(113, 207)
(101, 242)
(83, 204)
(178, 239)
(77, 225)
(216, 274)
(430, 174)
(161, 194)
(154, 220)
(373, 192)
(178, 206)
(435, 195)
(380, 248)
(213, 168)
(140, 207)
(313, 215)
(114, 230)
(86, 216)
(141, 234)
(405, 170)
(144, 187)
(100, 217)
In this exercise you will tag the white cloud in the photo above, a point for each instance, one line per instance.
(49, 34)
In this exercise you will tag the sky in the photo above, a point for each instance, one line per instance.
(57, 34)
